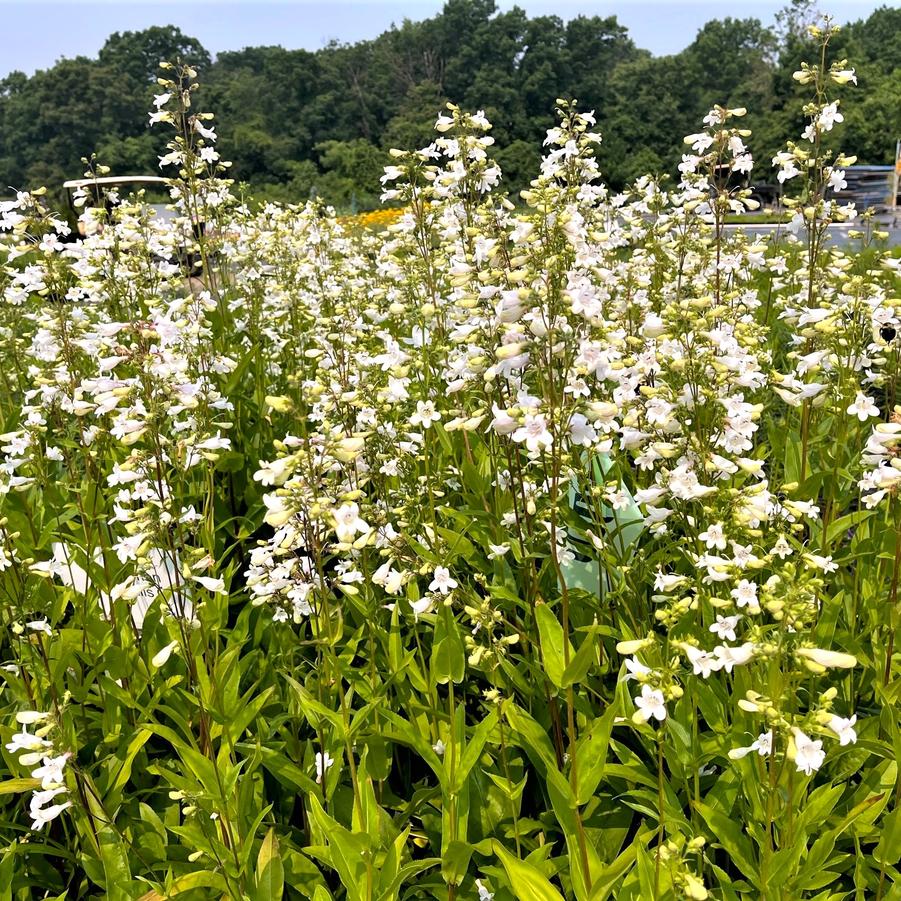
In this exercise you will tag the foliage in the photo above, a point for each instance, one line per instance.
(292, 121)
(541, 554)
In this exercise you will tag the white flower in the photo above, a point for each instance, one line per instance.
(534, 432)
(653, 326)
(650, 703)
(724, 627)
(844, 729)
(439, 748)
(484, 894)
(843, 76)
(635, 669)
(763, 746)
(389, 578)
(161, 656)
(423, 605)
(824, 563)
(714, 537)
(734, 655)
(809, 754)
(668, 581)
(782, 548)
(51, 771)
(348, 523)
(863, 407)
(30, 717)
(215, 585)
(745, 595)
(442, 581)
(25, 741)
(837, 180)
(829, 115)
(40, 625)
(203, 131)
(41, 815)
(788, 170)
(581, 432)
(703, 662)
(425, 414)
(503, 423)
(828, 659)
(324, 762)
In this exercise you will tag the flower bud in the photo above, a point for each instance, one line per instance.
(827, 658)
(631, 647)
(161, 656)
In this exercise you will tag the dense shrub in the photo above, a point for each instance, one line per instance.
(538, 553)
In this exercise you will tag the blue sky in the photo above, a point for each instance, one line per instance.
(38, 32)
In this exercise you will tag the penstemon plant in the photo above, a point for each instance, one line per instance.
(543, 550)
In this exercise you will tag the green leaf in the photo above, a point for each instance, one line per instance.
(448, 652)
(230, 461)
(455, 862)
(581, 662)
(16, 786)
(134, 747)
(550, 633)
(473, 750)
(527, 881)
(113, 850)
(200, 879)
(591, 755)
(346, 851)
(727, 833)
(888, 851)
(270, 872)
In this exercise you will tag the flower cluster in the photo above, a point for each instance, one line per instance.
(579, 489)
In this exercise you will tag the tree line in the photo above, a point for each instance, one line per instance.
(297, 123)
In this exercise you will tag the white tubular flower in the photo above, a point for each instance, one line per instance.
(763, 745)
(636, 670)
(844, 729)
(633, 646)
(827, 659)
(41, 815)
(484, 894)
(534, 432)
(324, 762)
(161, 656)
(348, 523)
(425, 414)
(26, 741)
(863, 407)
(734, 655)
(843, 76)
(650, 704)
(807, 753)
(724, 627)
(442, 580)
(703, 662)
(30, 717)
(51, 772)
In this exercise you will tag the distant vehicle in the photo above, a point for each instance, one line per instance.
(156, 198)
(767, 195)
(98, 190)
(869, 186)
